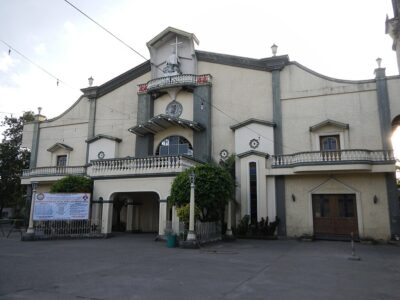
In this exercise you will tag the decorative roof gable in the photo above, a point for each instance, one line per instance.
(103, 136)
(57, 146)
(329, 122)
(251, 121)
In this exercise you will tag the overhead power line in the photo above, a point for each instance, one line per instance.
(32, 62)
(106, 30)
(138, 53)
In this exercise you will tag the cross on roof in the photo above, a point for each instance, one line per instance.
(176, 45)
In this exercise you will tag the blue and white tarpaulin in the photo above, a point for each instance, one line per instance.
(49, 206)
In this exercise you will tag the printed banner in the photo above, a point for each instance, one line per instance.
(61, 207)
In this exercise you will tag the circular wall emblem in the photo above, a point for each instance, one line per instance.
(224, 153)
(174, 109)
(101, 155)
(40, 196)
(254, 144)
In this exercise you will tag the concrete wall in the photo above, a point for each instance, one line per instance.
(372, 218)
(109, 147)
(241, 94)
(184, 98)
(73, 135)
(308, 99)
(393, 84)
(116, 112)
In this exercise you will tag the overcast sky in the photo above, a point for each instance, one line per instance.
(338, 38)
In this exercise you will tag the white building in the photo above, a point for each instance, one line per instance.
(314, 151)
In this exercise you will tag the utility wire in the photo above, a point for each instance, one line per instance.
(32, 62)
(105, 29)
(138, 53)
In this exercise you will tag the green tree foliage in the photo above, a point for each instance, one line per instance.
(13, 159)
(183, 213)
(72, 184)
(214, 188)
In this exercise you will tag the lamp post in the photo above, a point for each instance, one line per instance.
(191, 234)
(274, 49)
(30, 229)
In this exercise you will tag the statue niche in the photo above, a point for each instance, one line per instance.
(173, 62)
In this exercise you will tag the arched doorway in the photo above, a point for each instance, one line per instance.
(135, 212)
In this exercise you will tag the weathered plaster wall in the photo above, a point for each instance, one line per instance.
(241, 94)
(116, 112)
(374, 217)
(308, 100)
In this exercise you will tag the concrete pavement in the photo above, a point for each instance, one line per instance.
(132, 266)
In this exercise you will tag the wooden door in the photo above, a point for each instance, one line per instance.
(335, 215)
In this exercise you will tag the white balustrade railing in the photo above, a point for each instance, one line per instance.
(333, 157)
(176, 80)
(54, 171)
(146, 165)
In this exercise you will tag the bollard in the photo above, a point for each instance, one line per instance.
(353, 250)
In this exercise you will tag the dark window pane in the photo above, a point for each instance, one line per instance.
(330, 143)
(163, 150)
(61, 161)
(253, 192)
(174, 140)
(183, 149)
(346, 207)
(173, 149)
(174, 145)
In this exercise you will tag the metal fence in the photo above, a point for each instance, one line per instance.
(207, 232)
(67, 229)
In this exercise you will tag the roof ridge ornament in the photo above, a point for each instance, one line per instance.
(173, 62)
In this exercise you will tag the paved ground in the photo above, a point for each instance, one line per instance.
(136, 267)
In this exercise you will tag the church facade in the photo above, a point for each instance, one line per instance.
(312, 150)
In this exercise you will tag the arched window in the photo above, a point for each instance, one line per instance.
(253, 192)
(174, 145)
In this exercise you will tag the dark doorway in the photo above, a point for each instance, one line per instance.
(335, 215)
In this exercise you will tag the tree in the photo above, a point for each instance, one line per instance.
(13, 159)
(214, 188)
(72, 184)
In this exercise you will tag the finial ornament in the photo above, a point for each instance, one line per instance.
(274, 49)
(90, 80)
(379, 62)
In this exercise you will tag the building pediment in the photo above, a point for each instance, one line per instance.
(169, 33)
(103, 136)
(252, 121)
(172, 53)
(329, 122)
(162, 122)
(253, 152)
(58, 146)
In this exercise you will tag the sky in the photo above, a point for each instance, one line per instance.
(338, 38)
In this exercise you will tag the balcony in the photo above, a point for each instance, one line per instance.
(154, 165)
(54, 171)
(50, 174)
(172, 81)
(362, 160)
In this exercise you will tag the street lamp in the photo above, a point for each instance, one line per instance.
(191, 234)
(274, 49)
(379, 62)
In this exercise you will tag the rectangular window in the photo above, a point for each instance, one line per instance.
(253, 192)
(329, 143)
(61, 161)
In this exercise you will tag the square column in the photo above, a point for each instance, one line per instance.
(129, 216)
(106, 220)
(162, 217)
